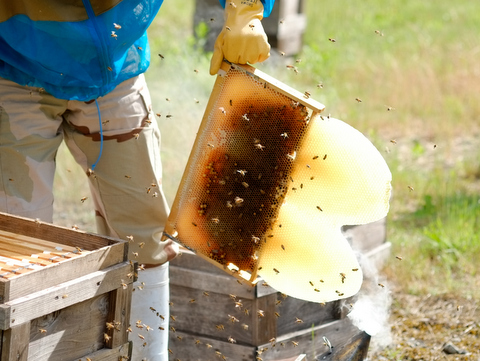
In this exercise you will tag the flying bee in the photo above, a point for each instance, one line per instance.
(276, 271)
(215, 220)
(109, 68)
(282, 53)
(116, 26)
(277, 314)
(295, 344)
(161, 56)
(106, 337)
(109, 325)
(255, 239)
(324, 157)
(242, 172)
(206, 294)
(284, 135)
(332, 40)
(141, 336)
(113, 35)
(83, 199)
(231, 339)
(320, 209)
(238, 304)
(136, 135)
(259, 146)
(381, 285)
(393, 141)
(233, 319)
(220, 327)
(244, 326)
(298, 320)
(244, 116)
(399, 257)
(260, 313)
(197, 342)
(411, 188)
(141, 244)
(251, 26)
(238, 200)
(228, 28)
(135, 254)
(222, 109)
(42, 330)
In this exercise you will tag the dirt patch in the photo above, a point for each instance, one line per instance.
(444, 327)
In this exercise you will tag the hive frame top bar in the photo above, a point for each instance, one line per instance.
(275, 84)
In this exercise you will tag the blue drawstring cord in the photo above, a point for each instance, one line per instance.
(101, 136)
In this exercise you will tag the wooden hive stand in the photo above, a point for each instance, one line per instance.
(65, 295)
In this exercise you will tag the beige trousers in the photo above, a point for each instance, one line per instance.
(126, 185)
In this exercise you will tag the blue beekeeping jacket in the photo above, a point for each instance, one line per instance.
(76, 49)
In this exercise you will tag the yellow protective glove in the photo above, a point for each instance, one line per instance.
(242, 39)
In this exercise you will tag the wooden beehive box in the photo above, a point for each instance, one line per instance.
(56, 304)
(210, 320)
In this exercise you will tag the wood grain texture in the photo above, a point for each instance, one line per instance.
(42, 302)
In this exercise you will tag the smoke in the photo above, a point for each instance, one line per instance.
(371, 310)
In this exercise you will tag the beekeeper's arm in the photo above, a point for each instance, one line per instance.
(242, 39)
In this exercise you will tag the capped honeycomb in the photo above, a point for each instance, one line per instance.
(269, 184)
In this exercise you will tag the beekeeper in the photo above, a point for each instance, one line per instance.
(73, 71)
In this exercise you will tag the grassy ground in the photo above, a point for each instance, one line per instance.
(414, 66)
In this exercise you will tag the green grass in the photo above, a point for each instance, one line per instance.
(424, 67)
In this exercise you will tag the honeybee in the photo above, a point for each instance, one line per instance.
(141, 244)
(220, 327)
(106, 337)
(113, 35)
(238, 200)
(231, 339)
(116, 26)
(136, 135)
(83, 199)
(259, 146)
(197, 342)
(109, 68)
(282, 53)
(135, 254)
(208, 345)
(320, 209)
(251, 26)
(260, 313)
(206, 294)
(173, 318)
(277, 314)
(244, 116)
(393, 141)
(161, 56)
(295, 344)
(358, 100)
(332, 40)
(242, 172)
(276, 271)
(42, 330)
(411, 188)
(141, 336)
(399, 257)
(110, 325)
(228, 28)
(298, 320)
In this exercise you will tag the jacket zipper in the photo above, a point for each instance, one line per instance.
(99, 42)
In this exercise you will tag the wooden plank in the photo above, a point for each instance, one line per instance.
(119, 315)
(62, 272)
(119, 353)
(70, 332)
(210, 282)
(15, 343)
(42, 302)
(187, 346)
(264, 319)
(207, 312)
(366, 237)
(341, 334)
(56, 234)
